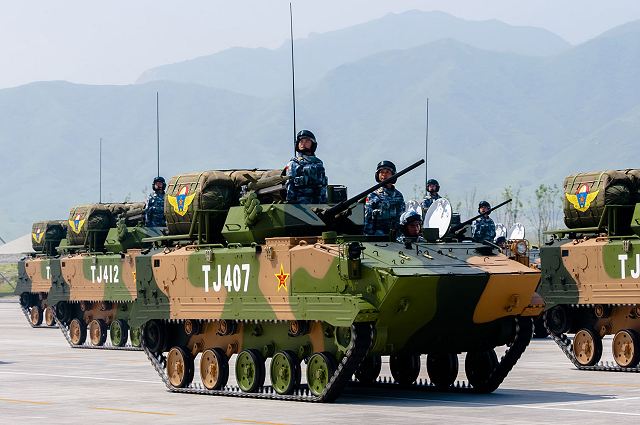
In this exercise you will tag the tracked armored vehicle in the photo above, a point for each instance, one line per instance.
(591, 271)
(34, 273)
(267, 280)
(93, 280)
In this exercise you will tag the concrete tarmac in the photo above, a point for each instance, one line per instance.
(43, 380)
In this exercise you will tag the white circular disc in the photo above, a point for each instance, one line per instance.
(516, 232)
(414, 205)
(438, 216)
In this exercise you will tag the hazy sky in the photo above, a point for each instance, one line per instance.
(114, 41)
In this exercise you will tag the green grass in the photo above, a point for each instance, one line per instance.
(10, 271)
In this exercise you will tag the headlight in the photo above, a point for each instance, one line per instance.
(521, 247)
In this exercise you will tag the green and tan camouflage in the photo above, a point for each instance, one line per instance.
(591, 281)
(295, 282)
(89, 224)
(96, 288)
(34, 272)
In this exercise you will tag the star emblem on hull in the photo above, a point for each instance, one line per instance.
(282, 279)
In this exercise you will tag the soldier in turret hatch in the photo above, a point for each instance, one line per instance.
(383, 207)
(154, 207)
(307, 183)
(484, 228)
(433, 187)
(410, 227)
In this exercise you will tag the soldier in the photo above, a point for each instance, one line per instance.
(154, 208)
(307, 183)
(433, 187)
(383, 207)
(410, 227)
(484, 227)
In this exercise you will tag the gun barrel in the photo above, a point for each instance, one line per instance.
(342, 206)
(469, 221)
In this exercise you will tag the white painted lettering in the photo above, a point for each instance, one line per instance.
(623, 259)
(206, 269)
(93, 274)
(636, 273)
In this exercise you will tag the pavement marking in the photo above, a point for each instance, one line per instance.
(246, 421)
(516, 406)
(11, 400)
(142, 412)
(77, 377)
(571, 403)
(590, 383)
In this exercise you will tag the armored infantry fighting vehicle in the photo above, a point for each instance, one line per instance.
(34, 273)
(93, 280)
(257, 279)
(591, 271)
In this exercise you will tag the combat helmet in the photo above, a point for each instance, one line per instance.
(161, 180)
(435, 183)
(385, 164)
(410, 216)
(484, 204)
(302, 134)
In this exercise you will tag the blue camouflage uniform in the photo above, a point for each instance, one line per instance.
(484, 229)
(154, 210)
(428, 200)
(307, 183)
(382, 211)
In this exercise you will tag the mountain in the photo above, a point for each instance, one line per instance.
(496, 119)
(266, 72)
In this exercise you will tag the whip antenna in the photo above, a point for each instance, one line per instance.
(426, 150)
(100, 173)
(158, 132)
(293, 77)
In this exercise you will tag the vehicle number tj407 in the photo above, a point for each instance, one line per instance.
(236, 277)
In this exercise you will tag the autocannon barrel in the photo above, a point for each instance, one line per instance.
(472, 219)
(330, 213)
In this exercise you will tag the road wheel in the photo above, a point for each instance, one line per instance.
(63, 311)
(98, 332)
(405, 367)
(77, 332)
(587, 347)
(214, 369)
(285, 372)
(442, 369)
(626, 351)
(136, 336)
(369, 369)
(320, 369)
(154, 336)
(250, 370)
(119, 332)
(179, 367)
(49, 316)
(557, 320)
(35, 315)
(479, 365)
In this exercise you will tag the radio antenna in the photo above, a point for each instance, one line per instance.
(293, 77)
(158, 132)
(100, 173)
(426, 150)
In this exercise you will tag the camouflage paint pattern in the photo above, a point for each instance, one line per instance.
(413, 296)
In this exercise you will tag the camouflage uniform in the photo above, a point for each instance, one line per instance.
(307, 182)
(382, 211)
(484, 229)
(428, 200)
(154, 210)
